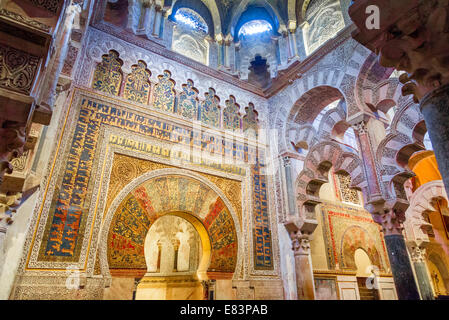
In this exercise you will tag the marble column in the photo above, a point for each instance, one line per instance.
(292, 44)
(283, 49)
(391, 221)
(157, 22)
(220, 51)
(303, 266)
(435, 109)
(227, 54)
(289, 186)
(373, 192)
(146, 26)
(417, 254)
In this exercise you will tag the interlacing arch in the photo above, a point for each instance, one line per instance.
(403, 139)
(319, 160)
(309, 103)
(333, 124)
(301, 136)
(373, 84)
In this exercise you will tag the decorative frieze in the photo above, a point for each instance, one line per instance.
(18, 69)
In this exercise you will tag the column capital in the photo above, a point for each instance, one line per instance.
(175, 243)
(147, 3)
(417, 252)
(228, 39)
(391, 221)
(286, 161)
(300, 243)
(360, 127)
(292, 26)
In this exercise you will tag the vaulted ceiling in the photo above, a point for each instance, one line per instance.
(226, 13)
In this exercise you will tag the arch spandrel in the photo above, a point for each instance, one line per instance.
(171, 194)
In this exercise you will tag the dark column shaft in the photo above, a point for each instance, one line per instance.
(435, 109)
(401, 268)
(423, 281)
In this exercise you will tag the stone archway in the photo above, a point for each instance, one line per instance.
(173, 192)
(177, 253)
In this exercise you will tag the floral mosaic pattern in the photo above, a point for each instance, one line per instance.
(188, 103)
(164, 95)
(108, 74)
(231, 116)
(137, 86)
(250, 121)
(210, 110)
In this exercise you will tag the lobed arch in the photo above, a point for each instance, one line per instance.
(308, 104)
(319, 160)
(384, 95)
(333, 123)
(181, 210)
(130, 58)
(305, 136)
(372, 84)
(206, 246)
(342, 79)
(371, 72)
